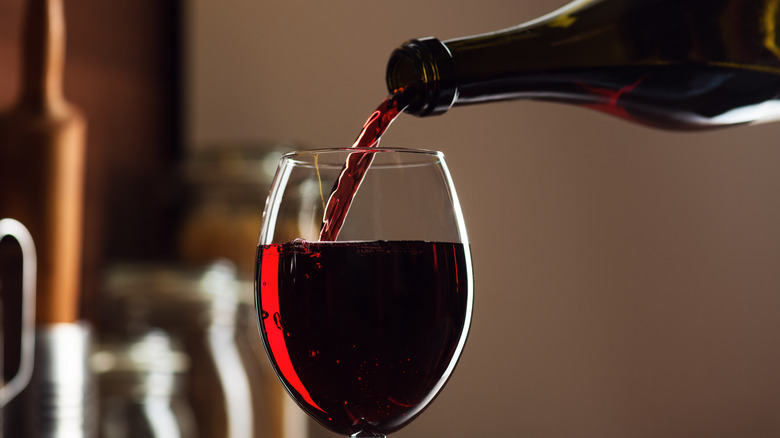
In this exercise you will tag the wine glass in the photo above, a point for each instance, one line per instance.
(365, 329)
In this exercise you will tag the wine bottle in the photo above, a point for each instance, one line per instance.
(673, 64)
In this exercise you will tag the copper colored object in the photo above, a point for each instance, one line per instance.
(42, 155)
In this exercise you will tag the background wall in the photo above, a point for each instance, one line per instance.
(627, 278)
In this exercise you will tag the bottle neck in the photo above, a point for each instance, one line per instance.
(494, 65)
(423, 69)
(43, 55)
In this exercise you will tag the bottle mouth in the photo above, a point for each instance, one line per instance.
(424, 70)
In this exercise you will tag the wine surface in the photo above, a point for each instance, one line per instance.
(363, 334)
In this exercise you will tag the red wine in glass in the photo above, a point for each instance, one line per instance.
(363, 334)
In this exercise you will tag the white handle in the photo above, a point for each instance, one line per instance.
(15, 229)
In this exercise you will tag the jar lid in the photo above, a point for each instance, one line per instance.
(151, 352)
(235, 164)
(165, 294)
(151, 364)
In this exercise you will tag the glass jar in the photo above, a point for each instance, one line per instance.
(197, 307)
(227, 188)
(142, 381)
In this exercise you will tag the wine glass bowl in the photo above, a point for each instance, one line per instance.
(364, 330)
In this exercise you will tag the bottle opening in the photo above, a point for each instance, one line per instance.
(424, 68)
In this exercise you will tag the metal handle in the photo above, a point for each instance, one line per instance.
(15, 229)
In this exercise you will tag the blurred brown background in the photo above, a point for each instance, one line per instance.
(122, 70)
(627, 278)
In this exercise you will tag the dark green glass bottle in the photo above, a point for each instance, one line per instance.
(674, 64)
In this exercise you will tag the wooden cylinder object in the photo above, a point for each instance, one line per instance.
(42, 164)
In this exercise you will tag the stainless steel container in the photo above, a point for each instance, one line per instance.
(59, 401)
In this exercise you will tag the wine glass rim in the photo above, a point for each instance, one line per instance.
(373, 150)
(314, 157)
